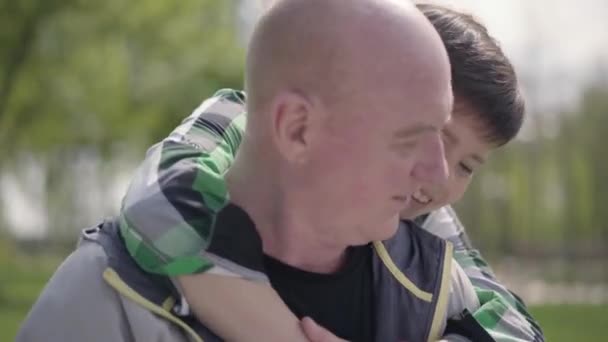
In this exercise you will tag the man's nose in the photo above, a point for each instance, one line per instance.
(432, 166)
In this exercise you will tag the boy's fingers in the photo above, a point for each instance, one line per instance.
(316, 333)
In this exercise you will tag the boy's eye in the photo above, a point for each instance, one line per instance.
(465, 169)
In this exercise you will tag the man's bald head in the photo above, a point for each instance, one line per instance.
(346, 99)
(329, 48)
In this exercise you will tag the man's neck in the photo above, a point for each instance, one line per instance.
(295, 242)
(286, 234)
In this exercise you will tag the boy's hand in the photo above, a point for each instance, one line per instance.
(316, 333)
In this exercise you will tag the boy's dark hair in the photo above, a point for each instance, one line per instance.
(481, 74)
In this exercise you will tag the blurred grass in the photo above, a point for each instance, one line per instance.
(23, 277)
(573, 322)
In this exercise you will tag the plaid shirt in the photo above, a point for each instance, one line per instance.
(168, 214)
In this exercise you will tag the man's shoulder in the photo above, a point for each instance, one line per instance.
(75, 293)
(87, 261)
(79, 304)
(81, 274)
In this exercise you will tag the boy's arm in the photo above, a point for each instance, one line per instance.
(240, 310)
(503, 315)
(169, 210)
(169, 215)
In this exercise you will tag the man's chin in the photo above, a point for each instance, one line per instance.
(387, 229)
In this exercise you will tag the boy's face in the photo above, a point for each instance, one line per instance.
(466, 151)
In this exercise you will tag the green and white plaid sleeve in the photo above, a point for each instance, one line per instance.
(168, 212)
(503, 315)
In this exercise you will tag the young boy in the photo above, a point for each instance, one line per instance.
(237, 302)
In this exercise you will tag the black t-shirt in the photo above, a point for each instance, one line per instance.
(341, 302)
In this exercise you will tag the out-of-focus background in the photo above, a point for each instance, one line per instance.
(86, 87)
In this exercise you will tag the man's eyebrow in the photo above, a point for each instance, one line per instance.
(412, 131)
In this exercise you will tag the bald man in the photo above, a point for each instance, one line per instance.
(345, 106)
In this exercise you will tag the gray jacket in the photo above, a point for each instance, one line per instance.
(99, 294)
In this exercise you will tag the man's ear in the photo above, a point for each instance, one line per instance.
(293, 125)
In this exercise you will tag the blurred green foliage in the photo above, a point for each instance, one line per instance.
(102, 81)
(81, 73)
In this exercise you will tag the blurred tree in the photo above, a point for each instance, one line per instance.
(555, 187)
(95, 82)
(77, 73)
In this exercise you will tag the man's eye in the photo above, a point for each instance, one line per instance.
(405, 147)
